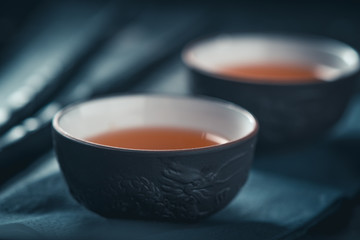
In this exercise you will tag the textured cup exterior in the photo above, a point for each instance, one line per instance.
(286, 113)
(174, 185)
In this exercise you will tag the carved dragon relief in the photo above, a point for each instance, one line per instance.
(179, 193)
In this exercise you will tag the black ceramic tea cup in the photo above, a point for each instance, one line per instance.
(176, 185)
(296, 109)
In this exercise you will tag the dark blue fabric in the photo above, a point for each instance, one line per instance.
(333, 160)
(38, 205)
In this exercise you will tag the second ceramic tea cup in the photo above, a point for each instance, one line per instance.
(290, 110)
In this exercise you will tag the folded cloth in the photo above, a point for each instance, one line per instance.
(38, 205)
(333, 160)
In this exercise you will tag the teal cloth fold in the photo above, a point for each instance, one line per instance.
(38, 205)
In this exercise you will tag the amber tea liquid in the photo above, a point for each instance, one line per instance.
(158, 138)
(275, 73)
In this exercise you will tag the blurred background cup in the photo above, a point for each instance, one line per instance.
(298, 86)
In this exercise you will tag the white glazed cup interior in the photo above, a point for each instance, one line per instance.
(333, 59)
(94, 117)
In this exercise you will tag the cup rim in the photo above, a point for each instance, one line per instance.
(58, 129)
(267, 35)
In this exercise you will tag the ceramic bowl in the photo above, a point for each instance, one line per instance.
(176, 185)
(288, 112)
